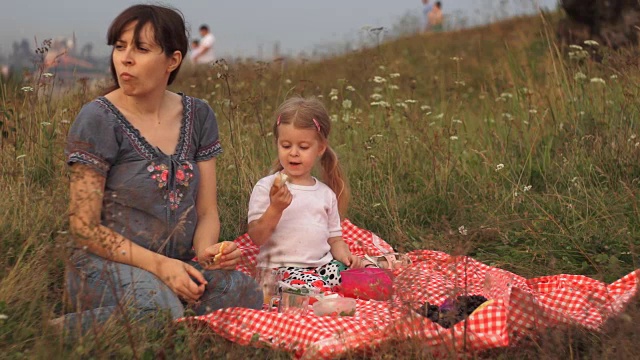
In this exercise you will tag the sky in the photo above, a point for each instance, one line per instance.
(241, 27)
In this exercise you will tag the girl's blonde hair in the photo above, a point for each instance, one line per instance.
(310, 113)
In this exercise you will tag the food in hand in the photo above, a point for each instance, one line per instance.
(219, 254)
(281, 179)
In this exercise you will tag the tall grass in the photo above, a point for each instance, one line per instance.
(490, 142)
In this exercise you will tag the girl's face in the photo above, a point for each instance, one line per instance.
(144, 67)
(298, 151)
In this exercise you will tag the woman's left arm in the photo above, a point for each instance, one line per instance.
(205, 240)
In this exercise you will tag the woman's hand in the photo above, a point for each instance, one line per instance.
(183, 279)
(224, 255)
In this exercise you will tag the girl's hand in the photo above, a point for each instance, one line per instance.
(223, 255)
(353, 261)
(280, 197)
(183, 279)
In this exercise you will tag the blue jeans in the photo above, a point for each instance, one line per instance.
(99, 289)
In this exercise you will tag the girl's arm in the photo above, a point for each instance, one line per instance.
(205, 239)
(86, 196)
(340, 251)
(260, 230)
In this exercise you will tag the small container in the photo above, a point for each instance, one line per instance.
(335, 307)
(291, 303)
(367, 283)
(267, 279)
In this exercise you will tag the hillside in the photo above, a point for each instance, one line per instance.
(490, 142)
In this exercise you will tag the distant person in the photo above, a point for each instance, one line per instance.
(143, 197)
(206, 53)
(195, 49)
(435, 18)
(426, 9)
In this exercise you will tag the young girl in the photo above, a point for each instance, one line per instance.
(296, 223)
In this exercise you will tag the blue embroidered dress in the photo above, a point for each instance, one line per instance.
(149, 196)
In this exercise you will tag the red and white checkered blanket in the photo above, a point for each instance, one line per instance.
(520, 306)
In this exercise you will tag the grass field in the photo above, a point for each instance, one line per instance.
(491, 142)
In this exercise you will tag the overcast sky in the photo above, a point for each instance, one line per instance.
(241, 27)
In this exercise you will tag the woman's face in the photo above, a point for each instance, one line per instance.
(144, 67)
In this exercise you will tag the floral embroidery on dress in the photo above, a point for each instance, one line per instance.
(182, 178)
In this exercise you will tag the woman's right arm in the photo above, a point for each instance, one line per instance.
(86, 195)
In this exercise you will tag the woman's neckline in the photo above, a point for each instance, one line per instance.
(141, 138)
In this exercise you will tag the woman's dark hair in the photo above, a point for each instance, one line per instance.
(168, 26)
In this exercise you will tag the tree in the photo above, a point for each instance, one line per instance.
(614, 23)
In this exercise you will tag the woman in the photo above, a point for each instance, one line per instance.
(143, 188)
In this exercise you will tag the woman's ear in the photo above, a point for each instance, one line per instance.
(175, 60)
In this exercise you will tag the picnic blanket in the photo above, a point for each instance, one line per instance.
(520, 306)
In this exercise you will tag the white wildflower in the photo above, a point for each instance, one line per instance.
(533, 111)
(613, 77)
(333, 92)
(3, 317)
(334, 118)
(579, 76)
(432, 123)
(575, 47)
(402, 105)
(591, 43)
(20, 156)
(381, 103)
(439, 116)
(410, 101)
(27, 88)
(394, 87)
(287, 81)
(453, 138)
(506, 95)
(526, 188)
(350, 88)
(425, 107)
(334, 98)
(346, 104)
(456, 58)
(376, 97)
(597, 80)
(47, 74)
(456, 121)
(45, 123)
(462, 230)
(499, 167)
(379, 79)
(394, 75)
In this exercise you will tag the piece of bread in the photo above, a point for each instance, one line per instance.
(281, 179)
(219, 254)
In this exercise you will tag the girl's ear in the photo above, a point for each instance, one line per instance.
(175, 60)
(323, 148)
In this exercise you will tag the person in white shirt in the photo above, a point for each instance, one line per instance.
(206, 53)
(296, 222)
